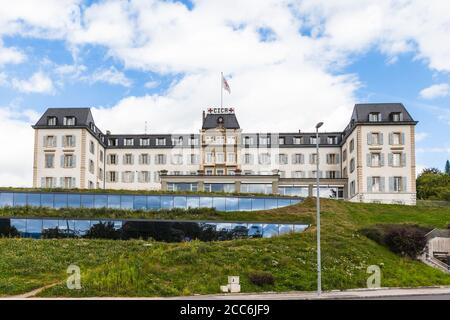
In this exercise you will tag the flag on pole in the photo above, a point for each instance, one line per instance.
(225, 84)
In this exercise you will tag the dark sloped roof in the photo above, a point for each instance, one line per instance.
(229, 121)
(361, 111)
(83, 116)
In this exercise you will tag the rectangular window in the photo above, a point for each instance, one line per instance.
(69, 141)
(144, 176)
(144, 158)
(193, 158)
(374, 117)
(375, 159)
(91, 147)
(128, 158)
(112, 176)
(374, 138)
(177, 159)
(298, 158)
(220, 157)
(396, 138)
(49, 160)
(352, 188)
(144, 141)
(398, 186)
(160, 141)
(352, 145)
(313, 158)
(68, 161)
(219, 140)
(91, 166)
(264, 158)
(49, 141)
(128, 176)
(112, 159)
(283, 158)
(298, 174)
(281, 140)
(177, 141)
(396, 116)
(101, 155)
(352, 165)
(264, 140)
(332, 158)
(344, 155)
(160, 159)
(231, 157)
(128, 142)
(312, 140)
(209, 157)
(298, 140)
(220, 172)
(52, 121)
(193, 141)
(248, 158)
(248, 140)
(67, 182)
(396, 159)
(332, 140)
(231, 140)
(69, 121)
(113, 142)
(375, 184)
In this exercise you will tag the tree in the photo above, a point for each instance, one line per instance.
(430, 171)
(447, 167)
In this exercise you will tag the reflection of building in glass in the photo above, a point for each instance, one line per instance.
(371, 160)
(168, 231)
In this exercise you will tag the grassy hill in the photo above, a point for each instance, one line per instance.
(143, 268)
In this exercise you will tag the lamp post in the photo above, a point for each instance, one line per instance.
(319, 267)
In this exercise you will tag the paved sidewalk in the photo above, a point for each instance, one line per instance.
(385, 293)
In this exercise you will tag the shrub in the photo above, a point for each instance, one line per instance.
(402, 239)
(261, 278)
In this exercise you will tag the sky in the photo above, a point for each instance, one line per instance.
(290, 64)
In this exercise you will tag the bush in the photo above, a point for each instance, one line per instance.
(261, 278)
(402, 239)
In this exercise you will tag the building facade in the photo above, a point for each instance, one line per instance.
(371, 160)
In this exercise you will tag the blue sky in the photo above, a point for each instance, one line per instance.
(288, 64)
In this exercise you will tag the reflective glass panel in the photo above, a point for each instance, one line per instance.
(81, 227)
(166, 202)
(255, 230)
(6, 199)
(34, 199)
(299, 227)
(179, 202)
(49, 224)
(113, 202)
(285, 228)
(126, 202)
(193, 202)
(20, 199)
(34, 228)
(20, 225)
(87, 200)
(47, 200)
(219, 203)
(257, 204)
(101, 200)
(154, 202)
(60, 201)
(284, 202)
(206, 202)
(245, 204)
(74, 200)
(140, 203)
(232, 204)
(270, 230)
(271, 204)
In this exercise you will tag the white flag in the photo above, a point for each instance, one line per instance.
(225, 84)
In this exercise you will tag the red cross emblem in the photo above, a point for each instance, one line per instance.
(210, 110)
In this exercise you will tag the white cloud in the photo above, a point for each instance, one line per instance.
(151, 84)
(38, 83)
(420, 136)
(434, 150)
(111, 76)
(17, 160)
(11, 55)
(435, 91)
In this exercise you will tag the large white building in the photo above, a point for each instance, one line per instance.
(372, 160)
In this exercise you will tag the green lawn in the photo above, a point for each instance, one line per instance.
(143, 268)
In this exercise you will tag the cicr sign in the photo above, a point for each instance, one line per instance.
(220, 110)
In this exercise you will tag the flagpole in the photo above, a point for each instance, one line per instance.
(221, 90)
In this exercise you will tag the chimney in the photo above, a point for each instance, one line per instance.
(108, 132)
(204, 116)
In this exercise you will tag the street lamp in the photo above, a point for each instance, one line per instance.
(319, 267)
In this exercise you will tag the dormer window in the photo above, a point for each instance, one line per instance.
(374, 117)
(298, 140)
(113, 142)
(396, 116)
(51, 121)
(332, 140)
(69, 121)
(312, 140)
(128, 142)
(145, 141)
(160, 141)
